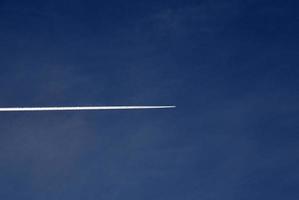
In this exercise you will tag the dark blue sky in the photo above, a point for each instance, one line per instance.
(231, 67)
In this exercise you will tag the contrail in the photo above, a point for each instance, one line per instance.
(75, 108)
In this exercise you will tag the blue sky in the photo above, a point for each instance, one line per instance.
(229, 66)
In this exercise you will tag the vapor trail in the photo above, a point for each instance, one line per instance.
(33, 109)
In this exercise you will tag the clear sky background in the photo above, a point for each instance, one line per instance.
(231, 67)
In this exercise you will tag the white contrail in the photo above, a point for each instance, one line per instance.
(32, 109)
